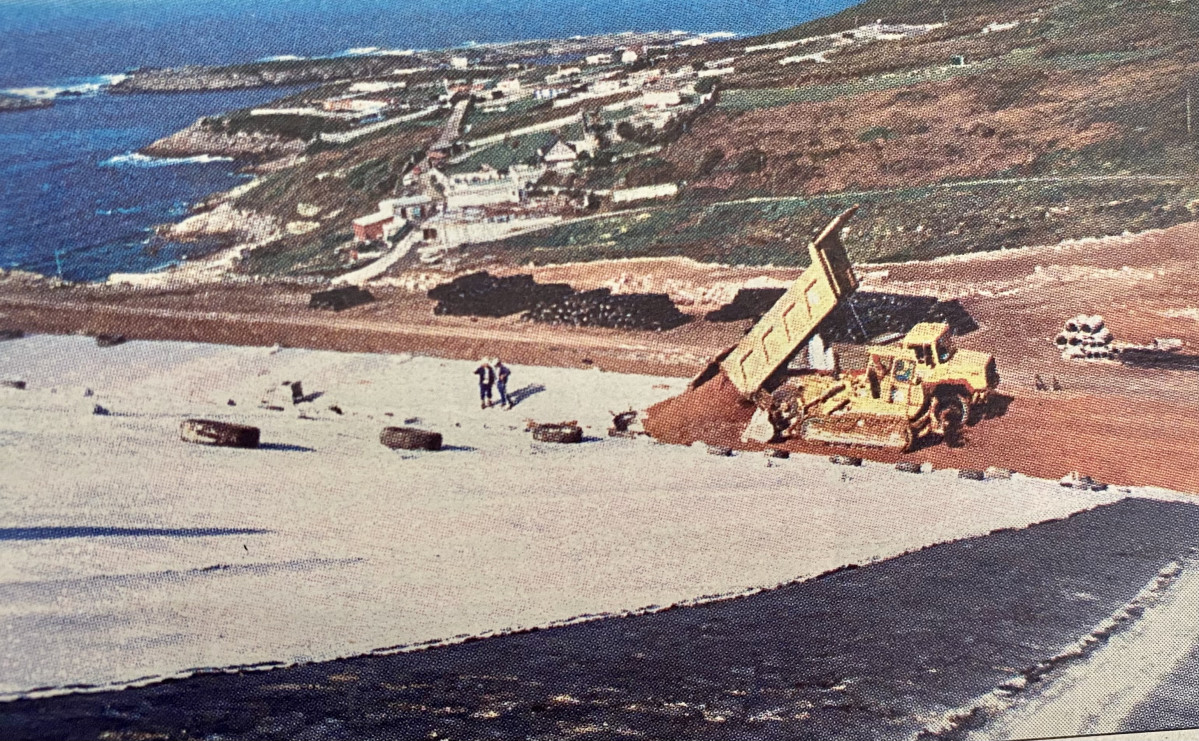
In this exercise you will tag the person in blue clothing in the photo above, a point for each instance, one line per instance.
(486, 376)
(501, 383)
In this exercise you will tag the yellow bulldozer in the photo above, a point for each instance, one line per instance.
(914, 388)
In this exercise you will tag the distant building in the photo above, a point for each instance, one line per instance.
(661, 99)
(488, 186)
(364, 106)
(561, 156)
(598, 59)
(549, 93)
(375, 227)
(624, 195)
(409, 208)
(563, 74)
(628, 56)
(459, 62)
(510, 86)
(605, 87)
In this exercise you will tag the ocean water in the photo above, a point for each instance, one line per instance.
(73, 200)
(76, 199)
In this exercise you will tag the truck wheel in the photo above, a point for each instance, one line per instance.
(410, 438)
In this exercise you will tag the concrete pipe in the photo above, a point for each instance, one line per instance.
(1062, 339)
(1096, 322)
(1074, 325)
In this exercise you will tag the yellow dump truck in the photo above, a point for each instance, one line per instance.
(916, 387)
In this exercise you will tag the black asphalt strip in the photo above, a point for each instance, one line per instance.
(868, 653)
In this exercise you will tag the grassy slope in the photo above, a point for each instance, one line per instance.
(1076, 91)
(1080, 93)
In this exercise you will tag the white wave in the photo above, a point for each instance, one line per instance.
(85, 86)
(360, 51)
(134, 159)
(283, 58)
(719, 35)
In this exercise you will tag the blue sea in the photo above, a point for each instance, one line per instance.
(74, 198)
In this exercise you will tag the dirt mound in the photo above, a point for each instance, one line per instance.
(482, 294)
(713, 413)
(749, 303)
(600, 308)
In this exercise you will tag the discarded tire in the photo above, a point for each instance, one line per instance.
(908, 467)
(720, 450)
(558, 433)
(410, 438)
(110, 340)
(846, 460)
(225, 434)
(972, 474)
(19, 385)
(777, 453)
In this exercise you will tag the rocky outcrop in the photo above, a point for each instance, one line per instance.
(18, 103)
(199, 139)
(258, 74)
(226, 222)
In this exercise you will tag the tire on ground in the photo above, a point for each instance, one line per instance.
(972, 474)
(410, 438)
(908, 467)
(225, 434)
(846, 460)
(558, 433)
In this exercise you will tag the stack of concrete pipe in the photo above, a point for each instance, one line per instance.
(1085, 338)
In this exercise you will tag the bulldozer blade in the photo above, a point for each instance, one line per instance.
(859, 430)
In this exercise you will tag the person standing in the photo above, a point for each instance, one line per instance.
(501, 383)
(486, 378)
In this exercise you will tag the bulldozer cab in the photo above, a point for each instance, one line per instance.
(930, 344)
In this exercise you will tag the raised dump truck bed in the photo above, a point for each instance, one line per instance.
(794, 318)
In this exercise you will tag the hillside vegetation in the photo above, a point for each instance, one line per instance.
(1007, 124)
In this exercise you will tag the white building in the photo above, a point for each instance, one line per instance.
(628, 56)
(459, 62)
(594, 59)
(561, 156)
(488, 186)
(562, 75)
(624, 195)
(509, 87)
(661, 99)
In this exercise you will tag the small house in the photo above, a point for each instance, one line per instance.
(560, 156)
(373, 228)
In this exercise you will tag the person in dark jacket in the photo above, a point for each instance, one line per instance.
(501, 383)
(486, 378)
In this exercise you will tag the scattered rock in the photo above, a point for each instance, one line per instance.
(845, 460)
(110, 340)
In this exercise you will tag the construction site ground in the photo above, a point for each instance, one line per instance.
(1122, 425)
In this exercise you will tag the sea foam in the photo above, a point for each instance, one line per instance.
(134, 159)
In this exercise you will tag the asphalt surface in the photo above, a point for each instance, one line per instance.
(863, 653)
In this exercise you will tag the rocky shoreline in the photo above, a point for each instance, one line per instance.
(13, 103)
(199, 139)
